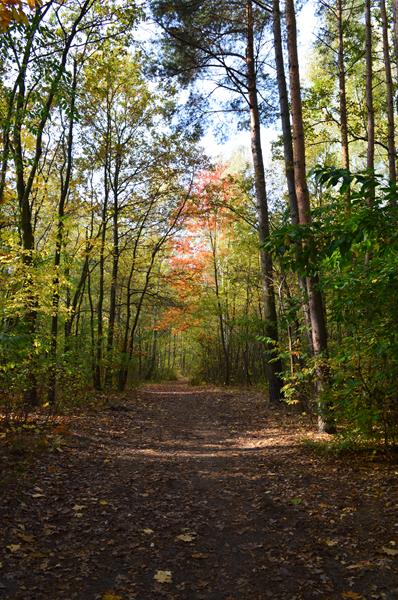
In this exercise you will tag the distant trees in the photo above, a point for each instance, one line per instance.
(228, 49)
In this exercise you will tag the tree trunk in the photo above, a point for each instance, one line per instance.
(318, 324)
(392, 169)
(342, 89)
(115, 269)
(370, 154)
(288, 151)
(59, 243)
(273, 367)
(101, 285)
(220, 312)
(395, 31)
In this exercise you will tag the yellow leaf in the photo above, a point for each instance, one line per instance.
(14, 547)
(390, 551)
(163, 576)
(186, 537)
(104, 502)
(148, 531)
(352, 596)
(111, 596)
(331, 543)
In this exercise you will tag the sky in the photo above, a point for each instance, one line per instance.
(306, 25)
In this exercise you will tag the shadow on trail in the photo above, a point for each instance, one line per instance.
(210, 486)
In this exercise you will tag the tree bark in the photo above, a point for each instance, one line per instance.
(370, 154)
(395, 31)
(342, 89)
(115, 270)
(59, 243)
(318, 323)
(273, 366)
(101, 284)
(392, 169)
(288, 150)
(220, 312)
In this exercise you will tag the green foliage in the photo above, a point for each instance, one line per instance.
(355, 253)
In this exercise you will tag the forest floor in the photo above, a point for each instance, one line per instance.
(195, 493)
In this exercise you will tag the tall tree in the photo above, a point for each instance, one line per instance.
(318, 324)
(342, 87)
(392, 156)
(66, 174)
(370, 153)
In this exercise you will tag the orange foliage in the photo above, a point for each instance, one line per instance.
(14, 10)
(190, 252)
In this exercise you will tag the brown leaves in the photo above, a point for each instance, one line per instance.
(14, 548)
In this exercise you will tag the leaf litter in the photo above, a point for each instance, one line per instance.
(197, 493)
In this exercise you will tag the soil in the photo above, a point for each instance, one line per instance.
(195, 493)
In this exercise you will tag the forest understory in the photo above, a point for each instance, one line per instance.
(198, 493)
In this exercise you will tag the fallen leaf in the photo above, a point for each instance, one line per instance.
(163, 576)
(38, 555)
(148, 531)
(25, 537)
(364, 564)
(186, 537)
(14, 547)
(199, 555)
(38, 495)
(331, 543)
(352, 596)
(390, 551)
(78, 507)
(104, 502)
(111, 596)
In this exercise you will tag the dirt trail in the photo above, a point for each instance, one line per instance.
(197, 494)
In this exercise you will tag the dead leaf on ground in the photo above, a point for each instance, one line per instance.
(364, 564)
(148, 531)
(390, 551)
(352, 596)
(186, 537)
(111, 596)
(163, 577)
(13, 547)
(25, 537)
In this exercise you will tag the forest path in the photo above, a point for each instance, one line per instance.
(197, 494)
